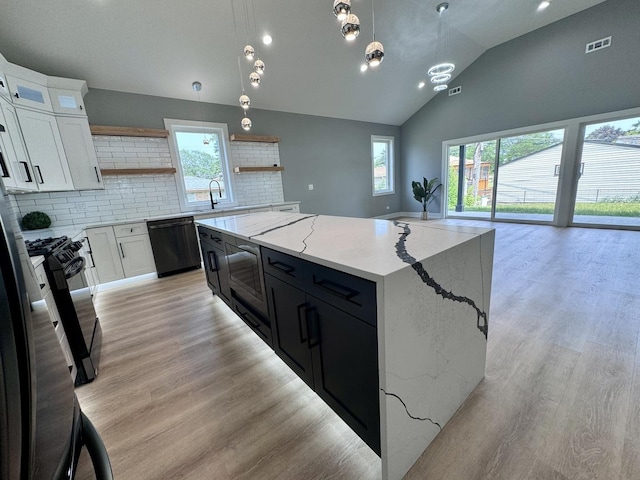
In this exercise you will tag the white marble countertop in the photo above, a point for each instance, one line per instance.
(366, 247)
(72, 231)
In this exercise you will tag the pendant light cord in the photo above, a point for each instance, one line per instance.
(240, 71)
(373, 21)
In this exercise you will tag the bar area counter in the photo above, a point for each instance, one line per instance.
(429, 317)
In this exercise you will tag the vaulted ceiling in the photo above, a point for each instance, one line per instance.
(159, 47)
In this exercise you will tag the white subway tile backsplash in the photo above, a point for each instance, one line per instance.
(127, 197)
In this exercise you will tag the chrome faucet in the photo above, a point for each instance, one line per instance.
(213, 202)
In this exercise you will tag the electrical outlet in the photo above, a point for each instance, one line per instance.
(311, 186)
(455, 91)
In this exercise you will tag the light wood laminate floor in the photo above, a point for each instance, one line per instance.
(186, 390)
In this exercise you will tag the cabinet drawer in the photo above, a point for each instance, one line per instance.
(256, 321)
(130, 229)
(285, 267)
(211, 236)
(351, 294)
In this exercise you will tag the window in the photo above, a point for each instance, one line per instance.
(199, 151)
(382, 165)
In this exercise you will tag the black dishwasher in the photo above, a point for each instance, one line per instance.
(175, 245)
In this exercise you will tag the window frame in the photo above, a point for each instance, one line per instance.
(192, 126)
(390, 141)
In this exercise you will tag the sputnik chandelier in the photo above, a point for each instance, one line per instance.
(440, 73)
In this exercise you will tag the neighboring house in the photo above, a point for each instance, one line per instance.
(198, 188)
(609, 171)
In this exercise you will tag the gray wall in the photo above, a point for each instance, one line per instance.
(334, 155)
(540, 77)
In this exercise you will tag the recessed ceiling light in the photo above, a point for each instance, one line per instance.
(267, 39)
(421, 85)
(363, 67)
(544, 4)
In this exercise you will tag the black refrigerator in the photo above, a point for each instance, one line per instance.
(42, 429)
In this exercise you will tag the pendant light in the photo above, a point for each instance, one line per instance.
(341, 9)
(254, 79)
(245, 102)
(249, 52)
(440, 73)
(197, 86)
(246, 123)
(258, 67)
(350, 27)
(374, 53)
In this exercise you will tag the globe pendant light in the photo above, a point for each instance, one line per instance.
(254, 79)
(246, 123)
(249, 52)
(245, 101)
(350, 27)
(258, 67)
(374, 53)
(341, 9)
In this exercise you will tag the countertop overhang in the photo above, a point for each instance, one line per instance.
(366, 247)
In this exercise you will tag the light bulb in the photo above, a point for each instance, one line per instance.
(258, 67)
(254, 79)
(245, 101)
(248, 52)
(341, 9)
(267, 39)
(246, 123)
(350, 27)
(374, 54)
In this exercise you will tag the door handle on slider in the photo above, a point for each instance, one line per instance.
(302, 323)
(313, 327)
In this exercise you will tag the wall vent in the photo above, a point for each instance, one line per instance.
(454, 91)
(598, 45)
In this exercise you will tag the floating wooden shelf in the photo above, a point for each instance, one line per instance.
(137, 171)
(240, 137)
(128, 131)
(257, 169)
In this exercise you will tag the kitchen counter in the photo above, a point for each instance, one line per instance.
(433, 288)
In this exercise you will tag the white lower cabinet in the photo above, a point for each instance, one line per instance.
(127, 254)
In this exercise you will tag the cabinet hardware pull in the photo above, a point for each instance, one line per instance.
(26, 170)
(3, 166)
(121, 249)
(37, 167)
(80, 107)
(302, 323)
(2, 84)
(2, 129)
(283, 267)
(202, 234)
(341, 291)
(247, 318)
(16, 95)
(97, 176)
(313, 327)
(42, 285)
(213, 263)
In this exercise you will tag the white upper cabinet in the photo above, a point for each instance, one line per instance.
(14, 151)
(80, 152)
(29, 94)
(44, 146)
(68, 102)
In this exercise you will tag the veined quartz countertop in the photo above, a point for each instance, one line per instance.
(366, 247)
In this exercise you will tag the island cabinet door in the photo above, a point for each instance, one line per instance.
(345, 367)
(287, 310)
(210, 260)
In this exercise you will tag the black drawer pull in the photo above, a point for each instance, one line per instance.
(341, 291)
(37, 167)
(3, 166)
(313, 327)
(302, 323)
(26, 170)
(248, 318)
(203, 234)
(283, 267)
(213, 262)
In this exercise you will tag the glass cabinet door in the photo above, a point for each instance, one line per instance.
(29, 94)
(67, 101)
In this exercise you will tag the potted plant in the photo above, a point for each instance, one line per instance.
(425, 193)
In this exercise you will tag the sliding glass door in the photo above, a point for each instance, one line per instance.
(609, 181)
(506, 178)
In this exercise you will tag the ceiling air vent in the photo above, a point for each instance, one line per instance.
(598, 45)
(454, 91)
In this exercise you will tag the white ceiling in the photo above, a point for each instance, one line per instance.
(159, 47)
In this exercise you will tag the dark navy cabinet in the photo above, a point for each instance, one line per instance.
(215, 263)
(330, 342)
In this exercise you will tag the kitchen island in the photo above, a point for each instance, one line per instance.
(432, 287)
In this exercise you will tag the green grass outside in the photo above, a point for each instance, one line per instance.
(603, 209)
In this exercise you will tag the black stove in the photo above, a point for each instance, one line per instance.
(46, 246)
